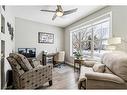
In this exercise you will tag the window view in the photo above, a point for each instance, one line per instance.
(91, 40)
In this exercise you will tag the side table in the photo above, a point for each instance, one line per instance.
(49, 55)
(77, 64)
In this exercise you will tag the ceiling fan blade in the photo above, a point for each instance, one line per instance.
(59, 7)
(54, 17)
(48, 11)
(70, 11)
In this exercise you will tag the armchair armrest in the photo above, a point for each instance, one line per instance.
(16, 77)
(104, 77)
(39, 69)
(36, 77)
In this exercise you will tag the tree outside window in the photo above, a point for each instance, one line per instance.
(94, 37)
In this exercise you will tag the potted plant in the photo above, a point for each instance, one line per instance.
(78, 54)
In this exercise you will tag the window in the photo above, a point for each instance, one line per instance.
(92, 39)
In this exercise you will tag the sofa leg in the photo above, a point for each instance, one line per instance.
(79, 85)
(50, 82)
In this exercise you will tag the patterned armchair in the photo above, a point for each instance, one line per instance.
(29, 75)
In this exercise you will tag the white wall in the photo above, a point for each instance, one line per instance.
(27, 36)
(119, 25)
(119, 28)
(9, 44)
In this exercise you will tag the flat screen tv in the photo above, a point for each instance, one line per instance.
(27, 52)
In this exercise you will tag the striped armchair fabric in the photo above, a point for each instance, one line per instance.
(32, 78)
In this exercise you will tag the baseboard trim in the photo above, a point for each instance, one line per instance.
(69, 63)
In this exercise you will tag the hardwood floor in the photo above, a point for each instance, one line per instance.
(63, 78)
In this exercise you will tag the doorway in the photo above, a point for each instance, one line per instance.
(2, 64)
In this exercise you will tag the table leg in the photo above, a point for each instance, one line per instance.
(79, 68)
(74, 67)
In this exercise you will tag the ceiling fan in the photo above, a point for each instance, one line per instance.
(59, 12)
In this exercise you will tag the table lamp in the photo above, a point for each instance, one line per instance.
(111, 48)
(114, 41)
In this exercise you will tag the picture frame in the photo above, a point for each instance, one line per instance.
(46, 38)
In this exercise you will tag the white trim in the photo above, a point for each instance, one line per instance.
(88, 23)
(92, 24)
(110, 25)
(71, 44)
(92, 45)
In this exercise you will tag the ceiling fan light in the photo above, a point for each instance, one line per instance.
(59, 13)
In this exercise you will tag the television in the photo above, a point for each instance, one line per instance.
(27, 52)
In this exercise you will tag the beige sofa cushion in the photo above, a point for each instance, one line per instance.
(117, 63)
(107, 70)
(22, 61)
(104, 77)
(99, 68)
(89, 63)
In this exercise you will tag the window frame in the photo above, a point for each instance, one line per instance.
(109, 19)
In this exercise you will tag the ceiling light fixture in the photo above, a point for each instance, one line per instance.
(59, 13)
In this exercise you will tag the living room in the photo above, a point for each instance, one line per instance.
(64, 35)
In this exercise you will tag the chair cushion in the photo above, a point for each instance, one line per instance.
(117, 63)
(99, 68)
(22, 61)
(15, 66)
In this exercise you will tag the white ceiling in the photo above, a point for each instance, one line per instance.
(33, 13)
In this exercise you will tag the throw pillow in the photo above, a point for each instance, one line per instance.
(99, 68)
(36, 63)
(89, 63)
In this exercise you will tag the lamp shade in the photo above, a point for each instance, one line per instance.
(110, 48)
(114, 41)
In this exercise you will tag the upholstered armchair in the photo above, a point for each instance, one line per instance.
(29, 75)
(59, 57)
(110, 73)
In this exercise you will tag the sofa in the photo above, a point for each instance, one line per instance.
(109, 73)
(29, 75)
